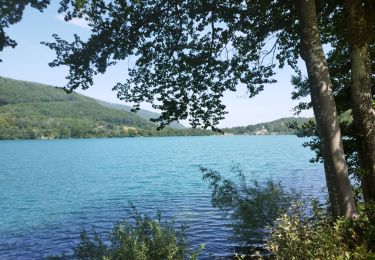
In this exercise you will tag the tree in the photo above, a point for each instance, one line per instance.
(325, 111)
(11, 12)
(353, 83)
(188, 53)
(360, 23)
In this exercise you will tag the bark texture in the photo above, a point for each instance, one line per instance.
(338, 184)
(360, 22)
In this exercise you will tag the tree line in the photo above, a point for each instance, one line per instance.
(282, 126)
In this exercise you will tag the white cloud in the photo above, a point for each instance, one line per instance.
(80, 22)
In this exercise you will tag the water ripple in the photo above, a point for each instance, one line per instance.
(50, 189)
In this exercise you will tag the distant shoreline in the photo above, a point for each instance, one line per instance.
(36, 111)
(132, 137)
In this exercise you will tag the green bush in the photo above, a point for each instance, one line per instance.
(297, 236)
(140, 238)
(252, 205)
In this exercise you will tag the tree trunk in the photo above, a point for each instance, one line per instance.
(360, 26)
(338, 184)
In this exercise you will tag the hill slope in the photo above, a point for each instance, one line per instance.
(31, 110)
(276, 127)
(142, 113)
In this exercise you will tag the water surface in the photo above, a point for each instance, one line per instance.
(50, 189)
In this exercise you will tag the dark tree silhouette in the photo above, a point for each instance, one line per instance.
(11, 12)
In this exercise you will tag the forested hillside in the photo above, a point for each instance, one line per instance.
(35, 111)
(142, 112)
(277, 127)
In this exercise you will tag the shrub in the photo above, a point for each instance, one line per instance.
(252, 205)
(141, 238)
(297, 236)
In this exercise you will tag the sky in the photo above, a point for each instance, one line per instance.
(29, 61)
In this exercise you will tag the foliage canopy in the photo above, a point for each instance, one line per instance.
(187, 53)
(11, 13)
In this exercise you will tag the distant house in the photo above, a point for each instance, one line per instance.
(262, 131)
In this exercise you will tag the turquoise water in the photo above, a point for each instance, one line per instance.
(50, 189)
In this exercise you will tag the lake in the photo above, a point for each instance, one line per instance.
(50, 189)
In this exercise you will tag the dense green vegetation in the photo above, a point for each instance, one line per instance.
(35, 111)
(296, 235)
(281, 126)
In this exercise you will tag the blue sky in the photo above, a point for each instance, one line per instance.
(29, 61)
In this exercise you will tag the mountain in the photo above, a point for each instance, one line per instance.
(142, 112)
(277, 127)
(31, 110)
